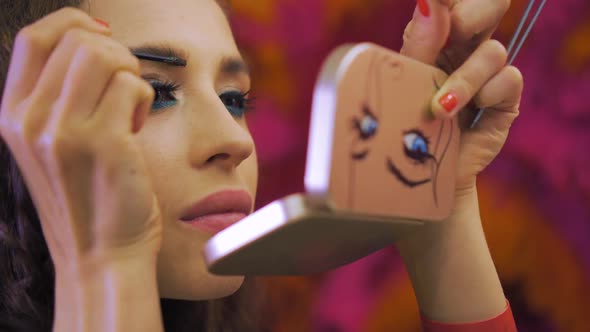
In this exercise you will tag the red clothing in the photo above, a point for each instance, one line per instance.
(504, 322)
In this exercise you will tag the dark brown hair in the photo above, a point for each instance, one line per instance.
(26, 269)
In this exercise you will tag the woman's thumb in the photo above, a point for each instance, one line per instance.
(428, 31)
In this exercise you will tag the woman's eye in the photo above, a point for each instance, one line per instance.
(164, 95)
(416, 146)
(367, 125)
(237, 103)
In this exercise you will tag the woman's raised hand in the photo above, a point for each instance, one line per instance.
(449, 262)
(73, 101)
(479, 77)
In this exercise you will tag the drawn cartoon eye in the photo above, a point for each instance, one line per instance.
(416, 146)
(367, 125)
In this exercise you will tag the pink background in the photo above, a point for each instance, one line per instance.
(535, 197)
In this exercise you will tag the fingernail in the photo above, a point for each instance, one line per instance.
(424, 8)
(448, 102)
(103, 23)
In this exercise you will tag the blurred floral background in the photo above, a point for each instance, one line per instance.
(535, 198)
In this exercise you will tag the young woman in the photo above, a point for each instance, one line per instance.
(105, 159)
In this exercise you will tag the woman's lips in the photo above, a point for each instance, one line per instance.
(215, 223)
(218, 211)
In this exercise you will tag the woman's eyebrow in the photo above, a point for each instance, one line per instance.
(161, 53)
(233, 65)
(168, 54)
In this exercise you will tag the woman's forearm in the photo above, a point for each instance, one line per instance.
(117, 296)
(451, 269)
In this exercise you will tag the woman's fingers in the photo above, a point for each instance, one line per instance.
(125, 104)
(94, 59)
(468, 79)
(33, 46)
(88, 45)
(501, 99)
(121, 167)
(76, 73)
(428, 31)
(68, 114)
(475, 20)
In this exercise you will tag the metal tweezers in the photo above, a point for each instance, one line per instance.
(512, 50)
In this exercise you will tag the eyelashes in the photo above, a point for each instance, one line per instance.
(367, 125)
(236, 102)
(164, 96)
(417, 146)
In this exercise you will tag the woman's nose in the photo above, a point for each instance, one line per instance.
(222, 139)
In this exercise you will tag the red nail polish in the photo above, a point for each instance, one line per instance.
(101, 22)
(424, 8)
(448, 102)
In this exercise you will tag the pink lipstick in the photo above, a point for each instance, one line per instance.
(218, 211)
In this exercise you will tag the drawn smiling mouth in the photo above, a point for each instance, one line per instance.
(398, 174)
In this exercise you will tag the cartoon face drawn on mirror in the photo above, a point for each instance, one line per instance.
(389, 157)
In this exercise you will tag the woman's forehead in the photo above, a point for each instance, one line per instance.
(156, 18)
(198, 26)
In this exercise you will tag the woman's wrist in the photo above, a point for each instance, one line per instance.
(450, 266)
(115, 295)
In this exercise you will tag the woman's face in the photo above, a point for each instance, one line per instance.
(196, 141)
